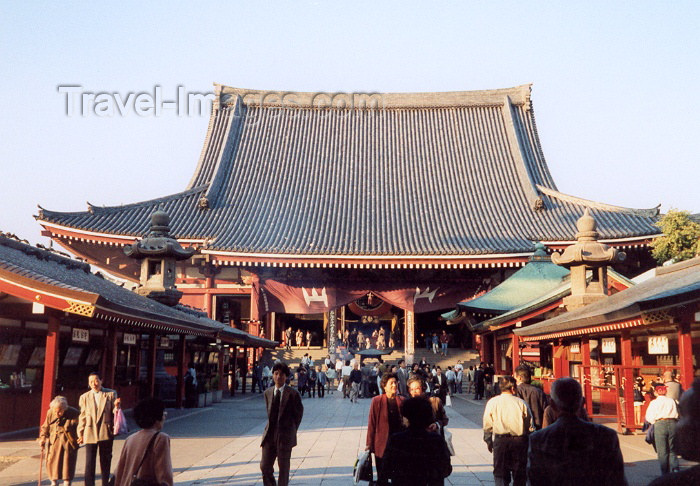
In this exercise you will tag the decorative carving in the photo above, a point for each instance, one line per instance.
(80, 309)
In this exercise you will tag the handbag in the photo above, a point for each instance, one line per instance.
(120, 426)
(363, 468)
(448, 401)
(144, 482)
(448, 440)
(340, 386)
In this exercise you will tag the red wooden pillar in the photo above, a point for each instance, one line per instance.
(244, 369)
(586, 375)
(496, 356)
(220, 370)
(50, 365)
(180, 390)
(233, 359)
(627, 378)
(151, 378)
(557, 364)
(111, 355)
(685, 352)
(516, 351)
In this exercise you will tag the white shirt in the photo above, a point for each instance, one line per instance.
(507, 414)
(96, 396)
(459, 367)
(662, 407)
(346, 370)
(450, 375)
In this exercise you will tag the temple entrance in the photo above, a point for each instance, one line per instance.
(301, 325)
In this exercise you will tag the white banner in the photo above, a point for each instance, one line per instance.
(658, 345)
(575, 347)
(129, 338)
(608, 345)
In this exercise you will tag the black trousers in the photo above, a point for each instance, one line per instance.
(382, 477)
(510, 460)
(270, 452)
(321, 389)
(105, 449)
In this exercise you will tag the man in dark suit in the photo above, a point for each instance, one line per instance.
(532, 395)
(479, 382)
(284, 413)
(571, 451)
(439, 385)
(402, 378)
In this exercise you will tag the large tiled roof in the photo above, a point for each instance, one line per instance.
(677, 285)
(418, 175)
(19, 260)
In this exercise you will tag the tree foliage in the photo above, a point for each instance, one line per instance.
(681, 238)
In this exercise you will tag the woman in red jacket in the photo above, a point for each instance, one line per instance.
(384, 419)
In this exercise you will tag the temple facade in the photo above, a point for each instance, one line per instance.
(366, 214)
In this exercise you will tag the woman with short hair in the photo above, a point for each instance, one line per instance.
(59, 434)
(146, 454)
(384, 419)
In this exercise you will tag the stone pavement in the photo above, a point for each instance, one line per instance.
(221, 445)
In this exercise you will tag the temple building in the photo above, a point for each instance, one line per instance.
(349, 214)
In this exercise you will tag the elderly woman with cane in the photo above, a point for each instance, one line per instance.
(59, 434)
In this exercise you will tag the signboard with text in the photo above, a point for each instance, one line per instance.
(658, 345)
(608, 345)
(81, 335)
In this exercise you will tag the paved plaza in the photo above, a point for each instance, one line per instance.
(221, 445)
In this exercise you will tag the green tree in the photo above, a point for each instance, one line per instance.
(681, 238)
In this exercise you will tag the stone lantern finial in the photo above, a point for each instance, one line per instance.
(587, 254)
(158, 252)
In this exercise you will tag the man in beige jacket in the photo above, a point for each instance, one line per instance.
(96, 427)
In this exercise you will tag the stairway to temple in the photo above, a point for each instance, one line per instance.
(469, 357)
(318, 353)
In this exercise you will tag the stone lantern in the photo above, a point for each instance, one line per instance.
(584, 255)
(158, 253)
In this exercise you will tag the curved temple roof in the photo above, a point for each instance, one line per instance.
(426, 174)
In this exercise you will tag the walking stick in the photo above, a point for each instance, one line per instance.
(41, 464)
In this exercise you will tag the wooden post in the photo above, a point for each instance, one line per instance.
(151, 377)
(627, 379)
(220, 371)
(180, 390)
(685, 352)
(50, 365)
(586, 375)
(244, 369)
(496, 356)
(516, 351)
(233, 360)
(557, 351)
(111, 354)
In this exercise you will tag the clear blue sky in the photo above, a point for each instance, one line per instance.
(615, 86)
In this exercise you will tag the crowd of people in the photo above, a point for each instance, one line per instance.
(533, 438)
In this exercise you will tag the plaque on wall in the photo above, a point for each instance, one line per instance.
(658, 345)
(81, 335)
(575, 348)
(37, 357)
(72, 356)
(9, 354)
(94, 357)
(608, 345)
